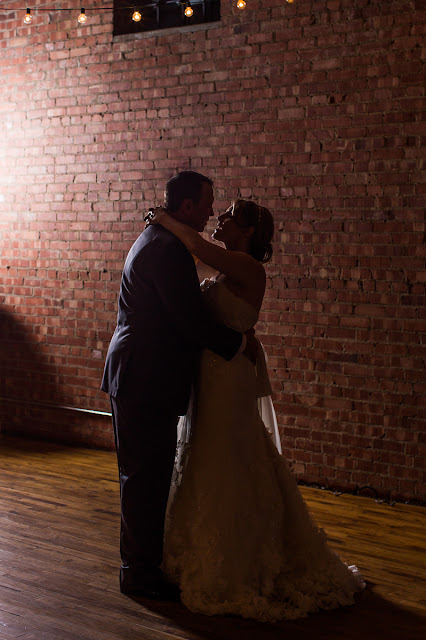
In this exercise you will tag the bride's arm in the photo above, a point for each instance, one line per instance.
(237, 265)
(204, 270)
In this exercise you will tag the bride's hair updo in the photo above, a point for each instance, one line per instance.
(249, 214)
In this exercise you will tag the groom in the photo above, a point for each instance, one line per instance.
(151, 362)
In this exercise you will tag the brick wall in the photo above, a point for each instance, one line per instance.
(315, 109)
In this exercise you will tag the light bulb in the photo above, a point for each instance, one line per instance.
(290, 1)
(188, 10)
(82, 18)
(28, 17)
(241, 4)
(137, 16)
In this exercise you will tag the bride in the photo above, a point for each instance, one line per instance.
(239, 538)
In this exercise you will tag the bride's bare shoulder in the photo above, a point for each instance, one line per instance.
(250, 267)
(249, 282)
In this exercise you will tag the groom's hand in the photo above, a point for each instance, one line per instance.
(252, 346)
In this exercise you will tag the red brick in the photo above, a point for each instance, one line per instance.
(313, 124)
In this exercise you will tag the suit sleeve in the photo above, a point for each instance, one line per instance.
(176, 282)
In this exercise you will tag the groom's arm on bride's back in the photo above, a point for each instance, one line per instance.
(251, 346)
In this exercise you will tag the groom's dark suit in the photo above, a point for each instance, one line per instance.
(151, 362)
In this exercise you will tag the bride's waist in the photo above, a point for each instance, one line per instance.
(216, 367)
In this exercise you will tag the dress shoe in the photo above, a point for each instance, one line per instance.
(154, 587)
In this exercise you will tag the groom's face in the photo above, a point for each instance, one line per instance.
(199, 213)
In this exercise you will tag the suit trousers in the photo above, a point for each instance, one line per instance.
(145, 438)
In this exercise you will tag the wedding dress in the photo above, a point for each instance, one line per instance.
(239, 538)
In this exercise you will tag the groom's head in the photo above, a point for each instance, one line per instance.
(189, 198)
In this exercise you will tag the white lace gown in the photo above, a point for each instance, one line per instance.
(239, 538)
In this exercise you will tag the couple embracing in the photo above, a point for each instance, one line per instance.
(210, 511)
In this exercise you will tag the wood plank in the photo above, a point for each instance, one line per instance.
(59, 530)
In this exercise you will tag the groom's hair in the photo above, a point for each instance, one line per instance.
(185, 184)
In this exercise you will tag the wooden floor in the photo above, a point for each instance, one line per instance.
(59, 521)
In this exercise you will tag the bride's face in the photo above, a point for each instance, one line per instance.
(227, 230)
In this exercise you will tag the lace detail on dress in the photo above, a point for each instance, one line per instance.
(239, 538)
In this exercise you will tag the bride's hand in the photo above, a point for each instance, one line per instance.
(155, 215)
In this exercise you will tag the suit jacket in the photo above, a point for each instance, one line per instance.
(161, 325)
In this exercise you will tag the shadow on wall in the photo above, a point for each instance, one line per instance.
(27, 379)
(32, 403)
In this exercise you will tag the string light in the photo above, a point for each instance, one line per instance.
(82, 18)
(136, 16)
(188, 10)
(28, 17)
